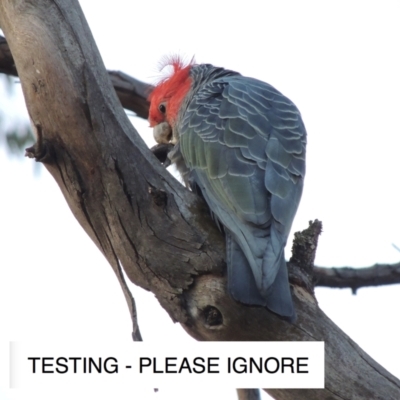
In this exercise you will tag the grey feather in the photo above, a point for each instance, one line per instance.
(243, 146)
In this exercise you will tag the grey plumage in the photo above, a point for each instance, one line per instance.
(242, 143)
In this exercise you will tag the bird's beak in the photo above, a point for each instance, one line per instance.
(162, 133)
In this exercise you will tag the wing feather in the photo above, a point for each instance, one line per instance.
(244, 143)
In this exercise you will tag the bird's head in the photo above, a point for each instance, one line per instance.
(166, 99)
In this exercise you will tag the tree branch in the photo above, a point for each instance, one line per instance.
(248, 394)
(131, 92)
(355, 278)
(139, 215)
(7, 65)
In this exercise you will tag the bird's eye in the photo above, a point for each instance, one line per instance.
(162, 108)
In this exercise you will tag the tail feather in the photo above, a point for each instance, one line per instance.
(272, 258)
(279, 298)
(242, 285)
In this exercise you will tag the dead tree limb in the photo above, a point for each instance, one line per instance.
(356, 278)
(248, 394)
(131, 92)
(139, 215)
(7, 65)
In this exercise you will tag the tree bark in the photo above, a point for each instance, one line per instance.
(131, 92)
(356, 278)
(138, 215)
(7, 65)
(248, 394)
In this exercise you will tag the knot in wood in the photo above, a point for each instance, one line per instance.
(40, 151)
(212, 316)
(159, 197)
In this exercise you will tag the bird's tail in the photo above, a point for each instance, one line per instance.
(241, 283)
(243, 288)
(279, 298)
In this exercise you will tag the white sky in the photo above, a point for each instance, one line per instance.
(339, 63)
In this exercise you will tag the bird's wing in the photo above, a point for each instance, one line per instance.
(244, 143)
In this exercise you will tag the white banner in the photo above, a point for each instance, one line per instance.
(294, 365)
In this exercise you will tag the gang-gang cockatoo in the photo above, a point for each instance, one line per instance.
(242, 144)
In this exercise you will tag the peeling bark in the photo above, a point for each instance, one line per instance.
(139, 216)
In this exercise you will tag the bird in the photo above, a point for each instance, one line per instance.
(240, 144)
